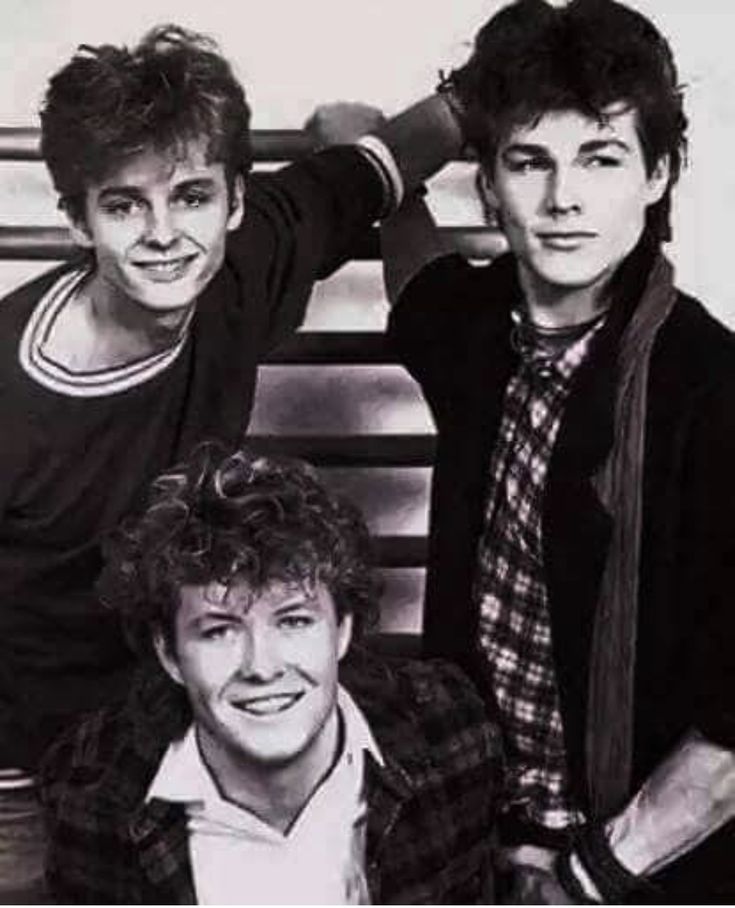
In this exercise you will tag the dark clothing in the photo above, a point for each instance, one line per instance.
(430, 807)
(452, 329)
(72, 466)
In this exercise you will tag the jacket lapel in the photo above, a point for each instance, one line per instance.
(160, 835)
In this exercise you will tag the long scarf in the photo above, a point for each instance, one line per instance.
(619, 484)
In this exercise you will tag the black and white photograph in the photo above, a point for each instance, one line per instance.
(367, 452)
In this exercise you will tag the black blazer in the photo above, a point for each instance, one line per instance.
(451, 328)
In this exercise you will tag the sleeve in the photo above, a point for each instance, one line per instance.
(709, 522)
(301, 223)
(430, 325)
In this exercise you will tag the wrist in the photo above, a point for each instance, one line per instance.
(628, 843)
(598, 866)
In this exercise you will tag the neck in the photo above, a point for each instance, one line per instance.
(123, 330)
(552, 306)
(275, 792)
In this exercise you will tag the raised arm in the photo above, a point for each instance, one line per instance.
(409, 240)
(419, 142)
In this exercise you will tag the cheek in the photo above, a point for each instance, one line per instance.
(206, 671)
(208, 226)
(315, 658)
(112, 245)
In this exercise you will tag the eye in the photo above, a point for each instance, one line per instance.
(602, 160)
(297, 621)
(120, 208)
(528, 165)
(193, 198)
(218, 632)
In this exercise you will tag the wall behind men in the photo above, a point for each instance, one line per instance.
(294, 54)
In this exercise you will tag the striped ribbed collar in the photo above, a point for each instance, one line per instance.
(52, 375)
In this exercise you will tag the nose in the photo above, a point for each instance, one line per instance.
(261, 659)
(161, 229)
(562, 194)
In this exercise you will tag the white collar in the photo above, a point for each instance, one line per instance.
(182, 775)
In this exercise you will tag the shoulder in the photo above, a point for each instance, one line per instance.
(87, 760)
(110, 757)
(695, 344)
(427, 705)
(451, 299)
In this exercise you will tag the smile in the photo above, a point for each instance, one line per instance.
(166, 269)
(269, 705)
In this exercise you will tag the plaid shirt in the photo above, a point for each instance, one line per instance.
(431, 806)
(515, 628)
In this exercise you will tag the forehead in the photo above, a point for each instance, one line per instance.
(240, 599)
(566, 131)
(152, 166)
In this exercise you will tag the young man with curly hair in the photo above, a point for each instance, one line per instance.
(115, 365)
(264, 764)
(582, 557)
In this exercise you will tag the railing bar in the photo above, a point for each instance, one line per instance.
(323, 348)
(351, 450)
(53, 243)
(400, 551)
(21, 143)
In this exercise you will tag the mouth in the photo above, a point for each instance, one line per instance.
(268, 704)
(165, 270)
(566, 240)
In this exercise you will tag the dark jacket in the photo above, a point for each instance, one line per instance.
(430, 808)
(452, 330)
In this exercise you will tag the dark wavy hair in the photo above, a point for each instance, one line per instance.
(109, 103)
(232, 517)
(532, 58)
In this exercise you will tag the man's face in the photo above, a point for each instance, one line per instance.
(158, 226)
(573, 194)
(260, 670)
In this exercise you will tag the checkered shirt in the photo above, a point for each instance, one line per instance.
(515, 627)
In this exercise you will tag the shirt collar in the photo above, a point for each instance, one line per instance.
(183, 777)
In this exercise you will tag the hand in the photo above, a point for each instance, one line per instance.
(343, 121)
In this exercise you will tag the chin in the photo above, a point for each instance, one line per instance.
(572, 276)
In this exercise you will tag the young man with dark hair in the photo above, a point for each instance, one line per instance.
(582, 558)
(115, 365)
(265, 765)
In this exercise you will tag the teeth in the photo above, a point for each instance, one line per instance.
(268, 705)
(164, 266)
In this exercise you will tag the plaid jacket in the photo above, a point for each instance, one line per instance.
(430, 807)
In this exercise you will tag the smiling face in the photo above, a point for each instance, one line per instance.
(572, 194)
(261, 674)
(158, 224)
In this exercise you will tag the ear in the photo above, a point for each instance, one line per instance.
(488, 197)
(166, 657)
(79, 231)
(659, 180)
(344, 636)
(237, 203)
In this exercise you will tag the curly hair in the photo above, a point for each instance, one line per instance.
(532, 58)
(231, 517)
(109, 103)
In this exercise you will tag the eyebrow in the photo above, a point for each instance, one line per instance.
(135, 192)
(212, 614)
(296, 605)
(589, 147)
